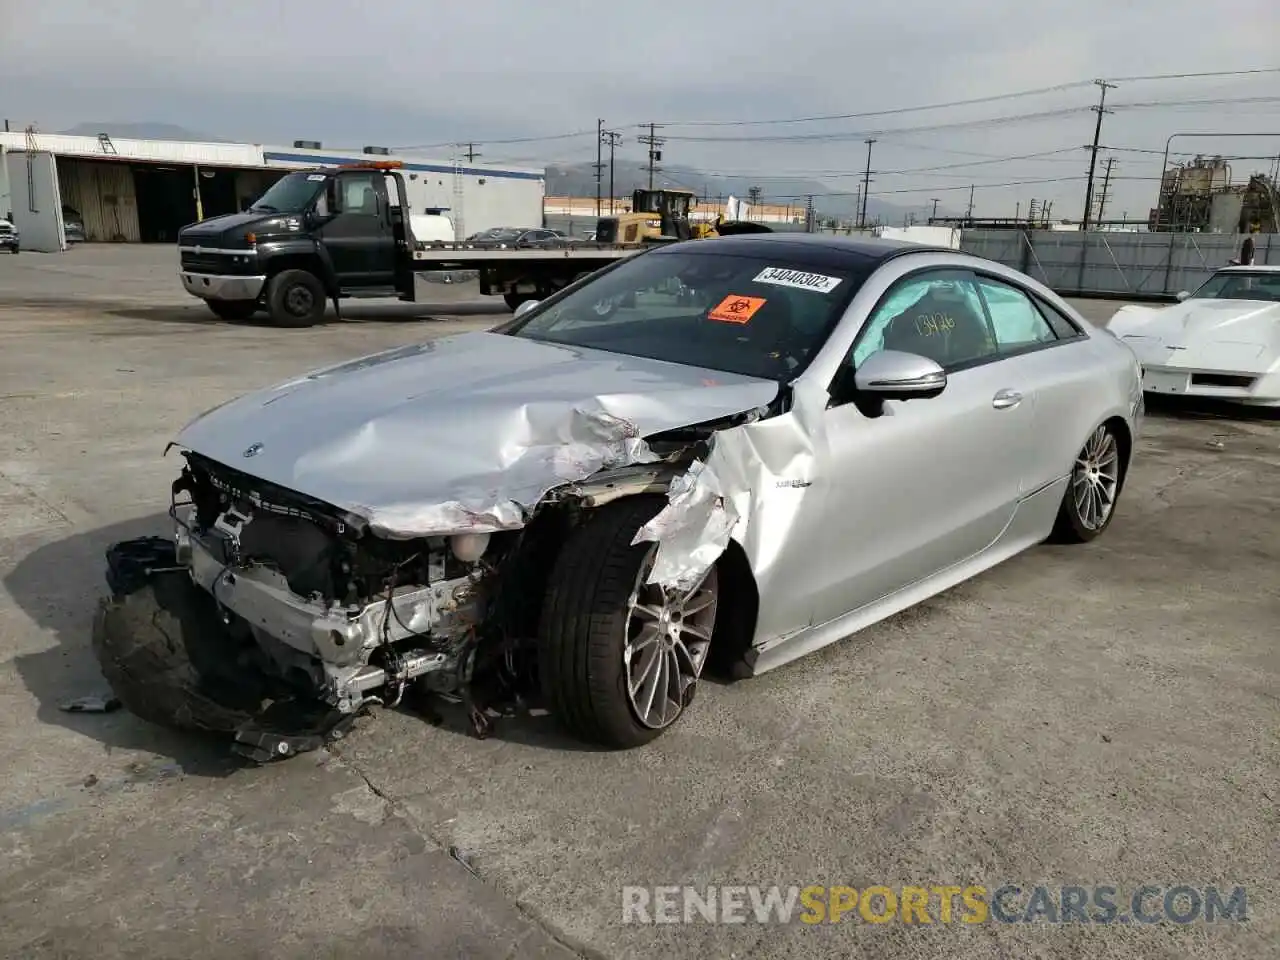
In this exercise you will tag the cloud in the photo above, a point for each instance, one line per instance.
(407, 72)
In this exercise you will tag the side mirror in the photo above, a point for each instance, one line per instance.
(1183, 295)
(525, 308)
(894, 375)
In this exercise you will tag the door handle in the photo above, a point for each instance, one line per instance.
(1004, 399)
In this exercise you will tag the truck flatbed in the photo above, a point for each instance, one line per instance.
(462, 253)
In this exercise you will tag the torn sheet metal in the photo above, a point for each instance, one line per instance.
(568, 446)
(749, 489)
(692, 530)
(463, 433)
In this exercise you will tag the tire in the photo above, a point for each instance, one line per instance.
(514, 300)
(295, 298)
(160, 647)
(1097, 477)
(233, 309)
(586, 616)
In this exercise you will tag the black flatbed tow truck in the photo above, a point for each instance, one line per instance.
(327, 234)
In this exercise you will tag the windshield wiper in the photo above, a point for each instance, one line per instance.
(263, 208)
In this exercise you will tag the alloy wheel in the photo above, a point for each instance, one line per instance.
(667, 641)
(1095, 479)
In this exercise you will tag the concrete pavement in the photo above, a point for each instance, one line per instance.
(1096, 714)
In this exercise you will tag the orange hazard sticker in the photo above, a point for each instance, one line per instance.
(736, 309)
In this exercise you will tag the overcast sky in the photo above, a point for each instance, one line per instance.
(421, 72)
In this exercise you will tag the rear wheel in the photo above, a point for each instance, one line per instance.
(620, 659)
(1089, 502)
(233, 309)
(295, 298)
(514, 299)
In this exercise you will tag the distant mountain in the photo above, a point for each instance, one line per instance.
(141, 131)
(579, 180)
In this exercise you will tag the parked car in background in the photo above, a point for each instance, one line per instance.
(1220, 341)
(9, 239)
(73, 224)
(521, 238)
(732, 452)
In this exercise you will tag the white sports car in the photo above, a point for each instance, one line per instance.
(1222, 341)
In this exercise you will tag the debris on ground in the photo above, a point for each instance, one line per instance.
(95, 703)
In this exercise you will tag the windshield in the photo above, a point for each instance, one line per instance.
(291, 194)
(1241, 285)
(740, 314)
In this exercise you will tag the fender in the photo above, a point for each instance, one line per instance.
(274, 249)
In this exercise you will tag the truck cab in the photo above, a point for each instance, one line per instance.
(315, 236)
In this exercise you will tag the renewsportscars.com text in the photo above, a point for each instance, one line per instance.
(1007, 903)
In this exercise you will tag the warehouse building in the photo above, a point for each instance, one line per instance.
(144, 191)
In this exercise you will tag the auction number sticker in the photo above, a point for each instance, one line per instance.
(736, 309)
(781, 277)
(315, 176)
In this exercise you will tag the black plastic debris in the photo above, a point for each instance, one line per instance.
(170, 659)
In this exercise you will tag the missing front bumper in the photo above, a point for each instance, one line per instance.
(171, 660)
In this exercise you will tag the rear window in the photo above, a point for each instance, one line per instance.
(740, 314)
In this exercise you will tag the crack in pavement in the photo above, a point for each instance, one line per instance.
(534, 919)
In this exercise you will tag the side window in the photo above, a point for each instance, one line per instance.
(357, 194)
(393, 192)
(1063, 327)
(937, 314)
(1017, 322)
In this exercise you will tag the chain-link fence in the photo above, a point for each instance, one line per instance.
(1138, 265)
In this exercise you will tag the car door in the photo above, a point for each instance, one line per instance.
(1045, 350)
(919, 485)
(358, 235)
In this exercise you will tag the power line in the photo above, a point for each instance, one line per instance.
(1040, 91)
(935, 188)
(863, 134)
(973, 101)
(1195, 76)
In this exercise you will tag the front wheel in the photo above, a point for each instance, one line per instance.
(233, 309)
(620, 659)
(1089, 502)
(295, 298)
(514, 300)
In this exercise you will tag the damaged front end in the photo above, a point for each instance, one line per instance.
(284, 618)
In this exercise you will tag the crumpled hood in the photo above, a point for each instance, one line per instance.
(464, 432)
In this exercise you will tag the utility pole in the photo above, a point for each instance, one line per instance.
(934, 216)
(1106, 183)
(969, 214)
(612, 138)
(1100, 109)
(472, 152)
(599, 164)
(655, 154)
(866, 181)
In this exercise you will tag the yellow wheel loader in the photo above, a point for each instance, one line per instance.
(662, 216)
